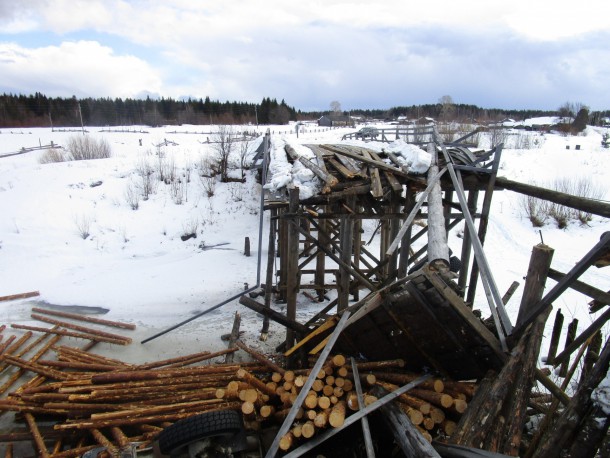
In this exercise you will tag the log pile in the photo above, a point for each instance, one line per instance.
(94, 401)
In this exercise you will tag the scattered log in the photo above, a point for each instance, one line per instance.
(38, 440)
(88, 319)
(79, 335)
(13, 297)
(260, 358)
(83, 329)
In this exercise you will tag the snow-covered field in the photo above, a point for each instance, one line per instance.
(135, 265)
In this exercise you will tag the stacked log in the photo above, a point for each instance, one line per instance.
(96, 401)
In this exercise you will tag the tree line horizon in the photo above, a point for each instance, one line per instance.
(38, 110)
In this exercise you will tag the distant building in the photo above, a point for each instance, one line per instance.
(335, 120)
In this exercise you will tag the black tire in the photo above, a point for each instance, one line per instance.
(198, 427)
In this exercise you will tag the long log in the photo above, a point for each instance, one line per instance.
(128, 376)
(78, 335)
(584, 204)
(83, 329)
(38, 440)
(88, 319)
(13, 297)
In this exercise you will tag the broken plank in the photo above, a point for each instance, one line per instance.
(331, 322)
(317, 171)
(379, 164)
(341, 168)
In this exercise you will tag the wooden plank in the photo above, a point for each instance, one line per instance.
(328, 324)
(381, 165)
(458, 304)
(344, 171)
(317, 171)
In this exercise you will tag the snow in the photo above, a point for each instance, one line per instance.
(601, 394)
(135, 265)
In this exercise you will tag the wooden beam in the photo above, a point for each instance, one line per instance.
(272, 314)
(598, 295)
(596, 207)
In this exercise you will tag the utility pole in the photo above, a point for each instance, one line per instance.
(51, 121)
(256, 115)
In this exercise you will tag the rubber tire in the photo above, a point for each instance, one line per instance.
(197, 427)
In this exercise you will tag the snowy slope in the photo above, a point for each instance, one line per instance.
(135, 264)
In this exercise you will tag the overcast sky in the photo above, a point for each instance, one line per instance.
(364, 54)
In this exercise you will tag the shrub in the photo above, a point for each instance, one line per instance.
(132, 197)
(52, 155)
(535, 210)
(83, 147)
(146, 173)
(538, 211)
(83, 225)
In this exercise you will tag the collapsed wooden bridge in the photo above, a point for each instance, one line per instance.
(418, 305)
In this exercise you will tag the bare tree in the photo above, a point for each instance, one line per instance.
(223, 146)
(244, 147)
(447, 107)
(335, 106)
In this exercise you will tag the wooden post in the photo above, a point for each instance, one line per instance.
(357, 244)
(283, 250)
(292, 265)
(321, 256)
(438, 251)
(405, 244)
(540, 262)
(233, 338)
(572, 327)
(247, 246)
(346, 232)
(484, 220)
(270, 269)
(473, 197)
(557, 327)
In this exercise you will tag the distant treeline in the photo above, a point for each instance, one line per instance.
(39, 110)
(462, 113)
